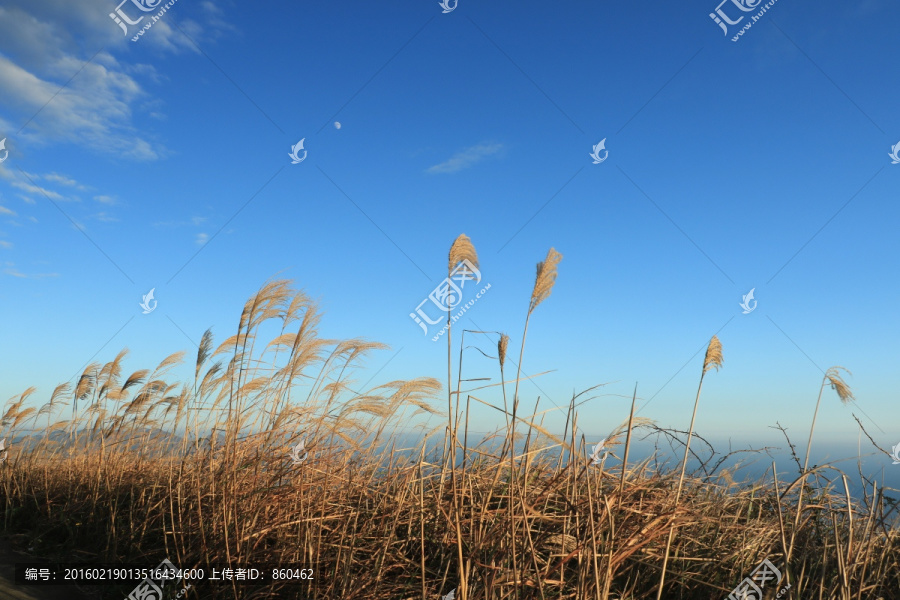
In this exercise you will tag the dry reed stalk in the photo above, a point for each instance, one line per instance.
(422, 522)
(845, 394)
(545, 278)
(713, 359)
(627, 443)
(527, 449)
(461, 250)
(593, 527)
(502, 346)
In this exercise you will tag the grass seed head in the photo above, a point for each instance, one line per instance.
(204, 351)
(462, 249)
(501, 348)
(843, 390)
(545, 278)
(713, 355)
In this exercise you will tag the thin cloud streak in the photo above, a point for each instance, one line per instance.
(467, 158)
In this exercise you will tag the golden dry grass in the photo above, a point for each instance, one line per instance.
(462, 249)
(545, 278)
(374, 520)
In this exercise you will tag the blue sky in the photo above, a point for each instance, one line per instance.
(758, 164)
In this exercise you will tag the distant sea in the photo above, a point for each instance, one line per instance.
(852, 459)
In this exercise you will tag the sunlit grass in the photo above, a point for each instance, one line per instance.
(521, 514)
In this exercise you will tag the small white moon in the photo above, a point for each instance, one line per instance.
(337, 124)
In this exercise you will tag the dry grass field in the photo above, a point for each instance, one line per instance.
(526, 513)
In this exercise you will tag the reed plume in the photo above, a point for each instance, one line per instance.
(544, 280)
(502, 345)
(203, 352)
(462, 249)
(713, 358)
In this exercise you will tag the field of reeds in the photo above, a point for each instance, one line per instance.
(271, 456)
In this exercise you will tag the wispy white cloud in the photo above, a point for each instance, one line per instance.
(48, 68)
(202, 238)
(5, 244)
(193, 222)
(63, 180)
(38, 193)
(466, 158)
(25, 186)
(94, 112)
(6, 211)
(13, 272)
